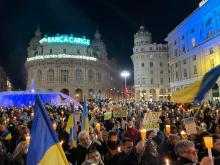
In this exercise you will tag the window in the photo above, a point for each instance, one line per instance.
(195, 69)
(194, 57)
(36, 52)
(50, 75)
(175, 52)
(90, 75)
(184, 61)
(64, 75)
(150, 48)
(183, 48)
(211, 50)
(39, 75)
(151, 81)
(142, 64)
(193, 42)
(99, 77)
(184, 73)
(183, 37)
(177, 75)
(42, 50)
(51, 51)
(161, 80)
(78, 76)
(161, 64)
(78, 52)
(151, 72)
(176, 65)
(64, 50)
(142, 49)
(151, 64)
(161, 71)
(212, 63)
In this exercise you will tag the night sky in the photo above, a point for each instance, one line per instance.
(118, 21)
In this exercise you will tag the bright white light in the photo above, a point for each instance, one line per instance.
(42, 57)
(125, 73)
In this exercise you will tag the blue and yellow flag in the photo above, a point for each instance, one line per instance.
(85, 117)
(6, 135)
(44, 146)
(196, 91)
(71, 128)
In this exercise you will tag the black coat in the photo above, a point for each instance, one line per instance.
(184, 161)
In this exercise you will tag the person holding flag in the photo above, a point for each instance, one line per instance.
(44, 146)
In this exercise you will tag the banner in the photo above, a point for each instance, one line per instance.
(120, 112)
(152, 120)
(108, 115)
(190, 125)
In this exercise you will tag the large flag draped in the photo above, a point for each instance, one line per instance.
(196, 91)
(85, 118)
(44, 146)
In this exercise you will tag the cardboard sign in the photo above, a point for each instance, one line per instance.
(152, 120)
(120, 112)
(190, 125)
(108, 115)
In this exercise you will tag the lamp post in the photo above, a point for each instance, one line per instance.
(125, 74)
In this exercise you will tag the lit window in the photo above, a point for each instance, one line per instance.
(193, 42)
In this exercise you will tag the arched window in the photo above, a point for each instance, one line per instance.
(78, 76)
(64, 75)
(50, 75)
(99, 77)
(39, 75)
(90, 75)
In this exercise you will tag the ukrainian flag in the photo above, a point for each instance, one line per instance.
(71, 128)
(44, 146)
(6, 135)
(85, 118)
(196, 91)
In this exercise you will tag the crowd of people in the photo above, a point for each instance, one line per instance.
(118, 141)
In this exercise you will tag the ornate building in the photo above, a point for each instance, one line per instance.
(3, 80)
(71, 65)
(194, 47)
(150, 61)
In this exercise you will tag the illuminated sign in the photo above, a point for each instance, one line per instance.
(61, 56)
(65, 39)
(203, 2)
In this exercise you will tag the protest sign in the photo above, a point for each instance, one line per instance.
(108, 115)
(190, 125)
(152, 120)
(120, 112)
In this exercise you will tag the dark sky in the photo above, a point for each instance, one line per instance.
(117, 20)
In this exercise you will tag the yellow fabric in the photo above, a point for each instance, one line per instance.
(69, 123)
(87, 124)
(8, 137)
(54, 156)
(188, 94)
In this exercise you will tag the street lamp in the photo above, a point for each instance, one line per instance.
(125, 74)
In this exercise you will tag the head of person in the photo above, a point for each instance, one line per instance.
(216, 142)
(186, 149)
(128, 145)
(84, 139)
(130, 124)
(2, 126)
(91, 133)
(94, 156)
(173, 139)
(113, 137)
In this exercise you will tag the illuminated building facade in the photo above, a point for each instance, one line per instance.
(194, 47)
(71, 65)
(150, 61)
(3, 80)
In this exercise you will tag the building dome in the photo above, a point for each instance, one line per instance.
(99, 48)
(142, 36)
